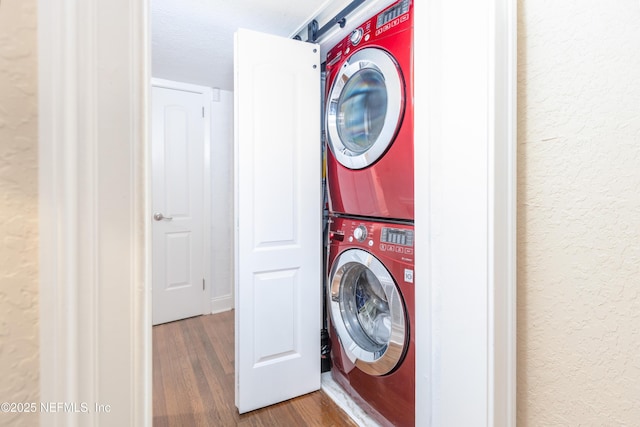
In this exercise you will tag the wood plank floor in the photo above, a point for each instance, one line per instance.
(193, 381)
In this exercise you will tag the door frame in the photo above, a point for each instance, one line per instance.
(466, 223)
(94, 202)
(207, 93)
(94, 210)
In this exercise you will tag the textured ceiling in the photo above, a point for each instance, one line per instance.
(192, 40)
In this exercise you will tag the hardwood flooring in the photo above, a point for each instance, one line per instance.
(193, 381)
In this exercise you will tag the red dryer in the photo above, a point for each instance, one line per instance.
(369, 118)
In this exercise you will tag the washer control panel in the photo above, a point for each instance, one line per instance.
(392, 240)
(396, 236)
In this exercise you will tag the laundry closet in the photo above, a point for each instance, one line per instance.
(301, 177)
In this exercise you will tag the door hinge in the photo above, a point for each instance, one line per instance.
(203, 284)
(203, 112)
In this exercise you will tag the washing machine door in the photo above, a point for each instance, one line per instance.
(367, 312)
(364, 108)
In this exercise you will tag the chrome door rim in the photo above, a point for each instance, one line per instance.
(370, 362)
(384, 63)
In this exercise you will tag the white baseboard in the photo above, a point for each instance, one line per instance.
(345, 402)
(220, 304)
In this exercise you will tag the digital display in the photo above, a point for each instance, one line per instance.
(392, 13)
(397, 236)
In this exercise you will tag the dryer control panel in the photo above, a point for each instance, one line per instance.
(395, 18)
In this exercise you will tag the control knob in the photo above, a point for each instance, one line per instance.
(356, 36)
(360, 233)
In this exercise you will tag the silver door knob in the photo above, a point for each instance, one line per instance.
(159, 217)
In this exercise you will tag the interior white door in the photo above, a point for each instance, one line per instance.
(278, 214)
(177, 199)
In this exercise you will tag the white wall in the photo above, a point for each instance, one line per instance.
(579, 213)
(19, 318)
(222, 234)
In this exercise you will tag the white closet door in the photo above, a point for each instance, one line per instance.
(278, 214)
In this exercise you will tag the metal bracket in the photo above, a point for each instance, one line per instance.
(313, 33)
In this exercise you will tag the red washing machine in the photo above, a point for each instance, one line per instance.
(369, 117)
(371, 304)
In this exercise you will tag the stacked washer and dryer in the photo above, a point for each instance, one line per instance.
(369, 127)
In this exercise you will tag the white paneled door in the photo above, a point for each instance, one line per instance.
(178, 203)
(278, 214)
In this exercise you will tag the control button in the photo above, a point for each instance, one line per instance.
(360, 233)
(370, 242)
(356, 36)
(350, 239)
(366, 38)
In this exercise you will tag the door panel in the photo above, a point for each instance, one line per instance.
(278, 213)
(276, 291)
(365, 108)
(177, 186)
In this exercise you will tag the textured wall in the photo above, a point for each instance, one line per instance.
(579, 212)
(18, 208)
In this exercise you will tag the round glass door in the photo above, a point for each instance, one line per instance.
(367, 312)
(364, 108)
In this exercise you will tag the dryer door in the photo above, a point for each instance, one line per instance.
(364, 108)
(367, 311)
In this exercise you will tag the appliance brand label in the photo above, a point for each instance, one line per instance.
(408, 275)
